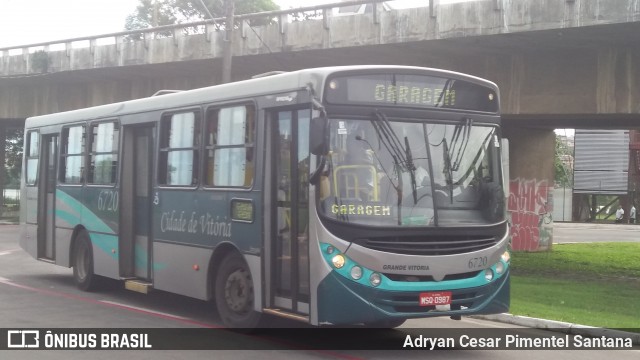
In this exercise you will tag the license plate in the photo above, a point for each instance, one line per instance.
(435, 298)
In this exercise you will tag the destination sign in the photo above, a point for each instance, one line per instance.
(411, 90)
(353, 209)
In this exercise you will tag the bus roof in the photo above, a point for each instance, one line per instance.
(273, 84)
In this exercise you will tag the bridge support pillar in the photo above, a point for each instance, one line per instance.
(530, 204)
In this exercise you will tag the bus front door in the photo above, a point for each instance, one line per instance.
(47, 194)
(289, 240)
(135, 203)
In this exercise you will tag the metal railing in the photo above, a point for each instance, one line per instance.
(243, 22)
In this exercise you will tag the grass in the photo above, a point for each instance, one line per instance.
(602, 260)
(589, 284)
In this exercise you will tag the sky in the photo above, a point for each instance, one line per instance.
(24, 22)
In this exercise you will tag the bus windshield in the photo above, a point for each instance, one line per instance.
(390, 172)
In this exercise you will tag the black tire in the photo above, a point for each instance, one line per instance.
(234, 293)
(83, 274)
(386, 324)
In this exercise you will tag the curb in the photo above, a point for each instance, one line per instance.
(559, 326)
(589, 226)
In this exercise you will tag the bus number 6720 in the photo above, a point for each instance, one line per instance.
(108, 200)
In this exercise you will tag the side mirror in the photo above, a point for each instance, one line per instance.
(505, 166)
(319, 136)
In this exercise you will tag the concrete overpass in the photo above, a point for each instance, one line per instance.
(559, 63)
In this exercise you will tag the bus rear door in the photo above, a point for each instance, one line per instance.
(135, 206)
(47, 196)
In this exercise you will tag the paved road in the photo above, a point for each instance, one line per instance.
(564, 232)
(34, 294)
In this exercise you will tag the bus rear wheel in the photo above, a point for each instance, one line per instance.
(234, 293)
(83, 274)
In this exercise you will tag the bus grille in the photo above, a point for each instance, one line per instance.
(432, 245)
(423, 278)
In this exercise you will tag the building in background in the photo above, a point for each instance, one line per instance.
(601, 172)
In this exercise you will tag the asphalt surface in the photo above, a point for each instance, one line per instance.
(562, 233)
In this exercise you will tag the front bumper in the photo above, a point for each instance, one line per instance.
(342, 301)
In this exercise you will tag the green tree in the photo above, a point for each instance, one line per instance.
(563, 173)
(13, 157)
(151, 13)
(216, 7)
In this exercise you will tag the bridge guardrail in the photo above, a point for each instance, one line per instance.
(199, 27)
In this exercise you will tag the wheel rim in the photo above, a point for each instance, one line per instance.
(82, 260)
(238, 291)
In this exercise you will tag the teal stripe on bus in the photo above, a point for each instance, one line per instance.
(70, 219)
(142, 259)
(102, 236)
(106, 243)
(90, 220)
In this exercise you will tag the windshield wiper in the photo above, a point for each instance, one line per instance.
(459, 142)
(412, 170)
(390, 139)
(448, 172)
(459, 145)
(471, 168)
(394, 144)
(401, 156)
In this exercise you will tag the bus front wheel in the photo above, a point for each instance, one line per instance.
(234, 293)
(83, 274)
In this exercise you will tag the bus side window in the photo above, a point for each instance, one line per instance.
(179, 143)
(72, 158)
(33, 154)
(103, 153)
(229, 146)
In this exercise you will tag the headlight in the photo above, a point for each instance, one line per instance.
(506, 257)
(356, 272)
(499, 267)
(488, 274)
(375, 279)
(338, 261)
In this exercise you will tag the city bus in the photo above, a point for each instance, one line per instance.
(363, 195)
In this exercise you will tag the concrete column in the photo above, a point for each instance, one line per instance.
(530, 205)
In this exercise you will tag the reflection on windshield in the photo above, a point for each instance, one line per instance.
(384, 172)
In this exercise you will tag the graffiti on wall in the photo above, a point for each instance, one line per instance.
(530, 209)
